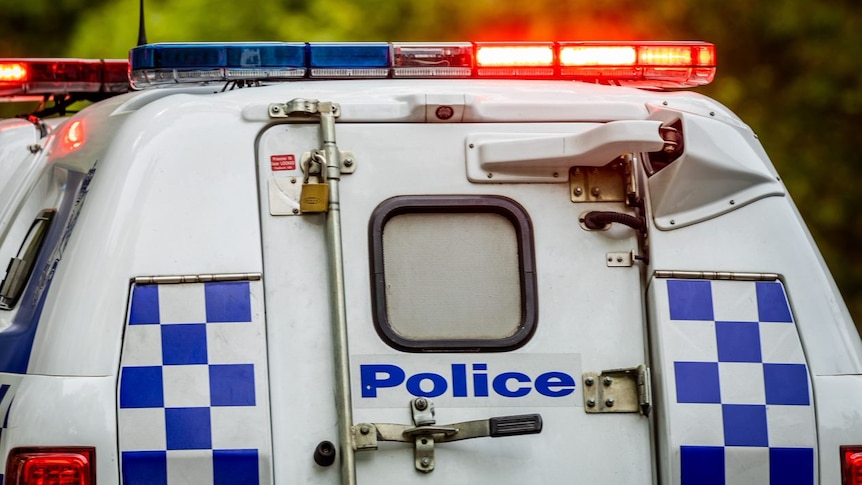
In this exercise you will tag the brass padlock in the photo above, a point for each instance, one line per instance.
(314, 198)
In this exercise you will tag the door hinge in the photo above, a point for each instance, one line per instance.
(618, 391)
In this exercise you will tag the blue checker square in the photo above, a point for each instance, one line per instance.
(786, 384)
(772, 303)
(697, 382)
(145, 305)
(228, 301)
(184, 344)
(690, 300)
(745, 425)
(142, 387)
(702, 465)
(235, 466)
(145, 468)
(791, 466)
(738, 341)
(188, 428)
(232, 385)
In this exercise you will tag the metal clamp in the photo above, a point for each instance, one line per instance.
(300, 108)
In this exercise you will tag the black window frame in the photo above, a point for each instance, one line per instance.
(454, 204)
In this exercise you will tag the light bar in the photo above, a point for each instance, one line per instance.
(648, 64)
(171, 63)
(349, 60)
(454, 59)
(519, 60)
(661, 64)
(39, 77)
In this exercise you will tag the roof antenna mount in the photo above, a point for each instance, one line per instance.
(142, 31)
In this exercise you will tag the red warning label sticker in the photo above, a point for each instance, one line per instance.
(283, 162)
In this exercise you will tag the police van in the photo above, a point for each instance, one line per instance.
(451, 263)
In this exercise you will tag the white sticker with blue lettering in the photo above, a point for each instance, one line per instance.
(469, 380)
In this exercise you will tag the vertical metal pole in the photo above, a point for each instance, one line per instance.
(344, 402)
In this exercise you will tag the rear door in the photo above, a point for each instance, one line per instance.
(484, 299)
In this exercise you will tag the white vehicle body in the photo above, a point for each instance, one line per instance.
(178, 318)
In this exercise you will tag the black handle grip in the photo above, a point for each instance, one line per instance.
(516, 425)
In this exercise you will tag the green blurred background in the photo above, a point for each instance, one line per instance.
(790, 68)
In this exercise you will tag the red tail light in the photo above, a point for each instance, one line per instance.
(51, 466)
(851, 465)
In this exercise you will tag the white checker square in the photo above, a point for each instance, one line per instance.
(142, 345)
(779, 343)
(190, 467)
(741, 383)
(142, 429)
(186, 386)
(182, 304)
(744, 465)
(734, 301)
(235, 343)
(240, 427)
(690, 341)
(696, 424)
(791, 426)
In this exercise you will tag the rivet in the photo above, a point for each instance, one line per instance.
(607, 381)
(609, 402)
(556, 174)
(712, 113)
(490, 175)
(591, 403)
(364, 429)
(421, 404)
(596, 191)
(732, 202)
(426, 462)
(664, 103)
(471, 145)
(348, 162)
(589, 381)
(619, 259)
(296, 211)
(579, 191)
(293, 180)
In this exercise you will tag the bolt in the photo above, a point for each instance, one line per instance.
(421, 404)
(471, 145)
(293, 180)
(609, 402)
(296, 211)
(579, 191)
(490, 175)
(348, 162)
(712, 113)
(426, 462)
(672, 222)
(607, 381)
(589, 381)
(596, 191)
(732, 202)
(619, 259)
(276, 109)
(591, 403)
(664, 103)
(364, 429)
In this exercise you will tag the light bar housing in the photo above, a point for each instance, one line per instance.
(644, 64)
(34, 77)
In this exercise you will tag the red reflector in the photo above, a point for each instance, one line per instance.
(74, 136)
(851, 465)
(12, 72)
(51, 466)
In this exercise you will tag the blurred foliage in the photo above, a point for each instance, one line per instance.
(789, 68)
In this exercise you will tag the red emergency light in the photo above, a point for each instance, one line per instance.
(40, 77)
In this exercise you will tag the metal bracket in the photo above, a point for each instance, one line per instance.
(618, 391)
(348, 161)
(615, 182)
(425, 433)
(302, 108)
(620, 260)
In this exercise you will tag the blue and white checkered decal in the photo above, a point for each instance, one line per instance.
(735, 384)
(193, 396)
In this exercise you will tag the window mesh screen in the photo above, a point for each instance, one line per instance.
(452, 276)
